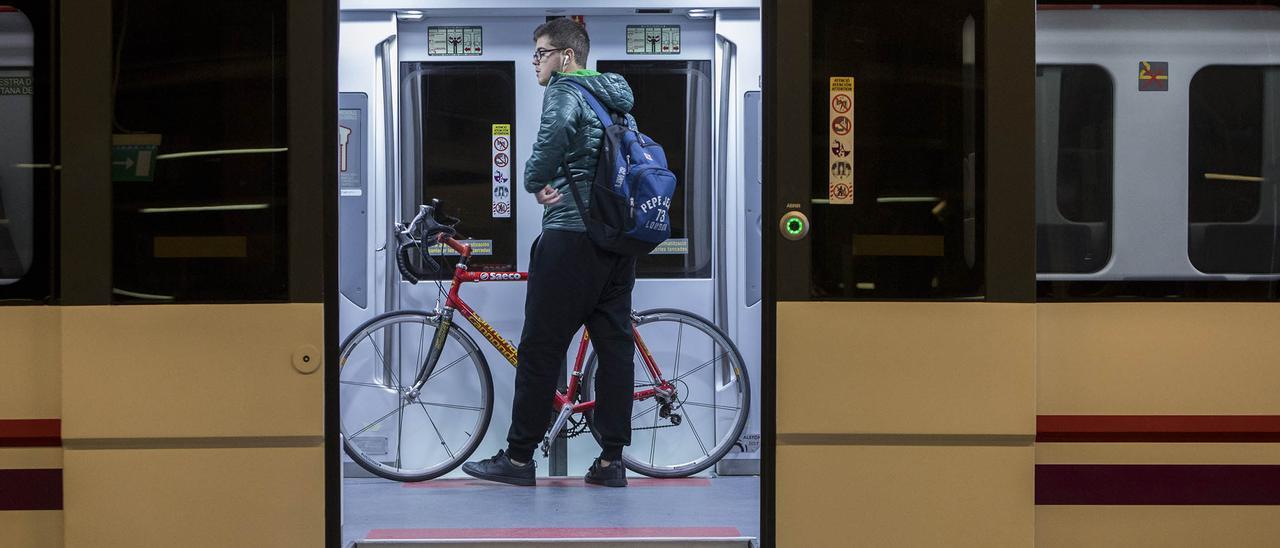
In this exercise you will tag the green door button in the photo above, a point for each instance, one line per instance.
(794, 225)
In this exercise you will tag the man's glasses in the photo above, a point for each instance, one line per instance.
(540, 53)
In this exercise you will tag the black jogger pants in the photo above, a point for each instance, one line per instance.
(573, 283)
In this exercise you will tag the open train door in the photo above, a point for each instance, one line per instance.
(900, 272)
(198, 253)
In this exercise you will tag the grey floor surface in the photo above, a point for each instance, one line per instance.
(372, 504)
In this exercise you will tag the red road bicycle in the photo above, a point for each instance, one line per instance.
(416, 392)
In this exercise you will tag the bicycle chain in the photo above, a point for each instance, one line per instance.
(580, 428)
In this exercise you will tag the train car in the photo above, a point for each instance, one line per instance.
(424, 119)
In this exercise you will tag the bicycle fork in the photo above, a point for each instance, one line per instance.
(433, 354)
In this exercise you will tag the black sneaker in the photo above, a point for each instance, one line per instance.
(614, 475)
(500, 468)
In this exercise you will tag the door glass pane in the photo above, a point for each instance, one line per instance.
(1234, 169)
(450, 112)
(913, 229)
(199, 156)
(25, 151)
(1073, 167)
(673, 107)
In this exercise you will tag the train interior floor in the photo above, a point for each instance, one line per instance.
(566, 507)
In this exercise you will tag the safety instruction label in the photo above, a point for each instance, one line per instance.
(15, 85)
(672, 246)
(478, 247)
(653, 39)
(501, 152)
(840, 143)
(455, 41)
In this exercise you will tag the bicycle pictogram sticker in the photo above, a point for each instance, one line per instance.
(841, 103)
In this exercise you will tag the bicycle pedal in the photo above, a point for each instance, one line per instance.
(675, 419)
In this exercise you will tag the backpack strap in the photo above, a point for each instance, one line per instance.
(603, 113)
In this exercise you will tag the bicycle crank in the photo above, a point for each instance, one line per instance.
(555, 429)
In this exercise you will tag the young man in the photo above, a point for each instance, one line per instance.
(571, 282)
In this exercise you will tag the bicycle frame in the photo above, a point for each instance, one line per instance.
(563, 404)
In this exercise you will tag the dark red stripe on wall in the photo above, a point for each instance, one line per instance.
(1158, 428)
(30, 489)
(30, 433)
(1157, 484)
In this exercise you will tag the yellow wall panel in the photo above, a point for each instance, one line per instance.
(30, 362)
(1163, 526)
(1158, 453)
(1158, 358)
(876, 367)
(14, 458)
(915, 496)
(194, 497)
(31, 529)
(190, 371)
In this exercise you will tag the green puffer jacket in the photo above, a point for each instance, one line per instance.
(571, 131)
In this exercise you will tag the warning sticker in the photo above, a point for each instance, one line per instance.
(840, 145)
(501, 153)
(1153, 76)
(452, 41)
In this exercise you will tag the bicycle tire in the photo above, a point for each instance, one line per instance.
(369, 389)
(725, 443)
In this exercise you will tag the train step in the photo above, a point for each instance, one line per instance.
(632, 542)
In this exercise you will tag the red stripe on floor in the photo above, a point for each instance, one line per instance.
(1157, 484)
(31, 489)
(554, 532)
(1158, 428)
(30, 432)
(563, 482)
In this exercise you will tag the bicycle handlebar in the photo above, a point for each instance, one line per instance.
(430, 224)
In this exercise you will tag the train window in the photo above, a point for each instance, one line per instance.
(1074, 124)
(660, 88)
(199, 161)
(26, 165)
(450, 110)
(915, 227)
(1234, 170)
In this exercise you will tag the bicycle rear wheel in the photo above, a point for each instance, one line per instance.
(711, 400)
(388, 429)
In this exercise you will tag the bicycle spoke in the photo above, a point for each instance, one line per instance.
(653, 441)
(438, 434)
(679, 339)
(645, 412)
(711, 406)
(453, 406)
(364, 384)
(380, 419)
(700, 367)
(689, 421)
(383, 360)
(439, 372)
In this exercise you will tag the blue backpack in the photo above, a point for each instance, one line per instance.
(631, 195)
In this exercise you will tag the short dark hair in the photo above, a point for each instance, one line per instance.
(566, 33)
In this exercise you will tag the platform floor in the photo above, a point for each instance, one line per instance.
(557, 508)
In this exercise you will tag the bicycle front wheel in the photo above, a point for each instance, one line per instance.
(688, 431)
(392, 430)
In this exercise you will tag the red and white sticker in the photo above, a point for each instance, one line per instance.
(840, 141)
(500, 152)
